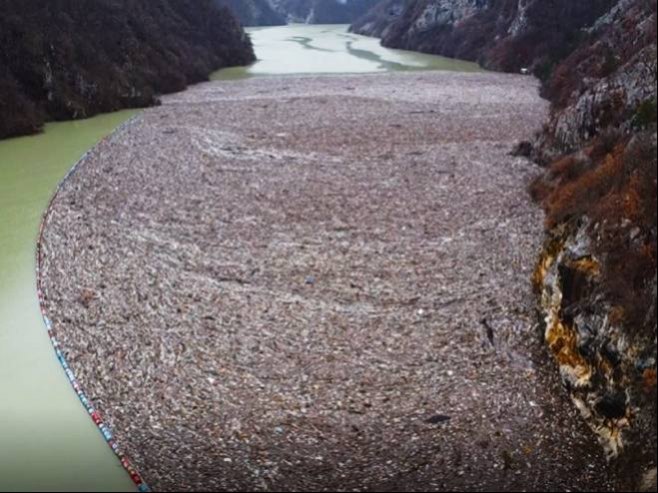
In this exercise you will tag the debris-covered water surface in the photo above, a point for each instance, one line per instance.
(318, 284)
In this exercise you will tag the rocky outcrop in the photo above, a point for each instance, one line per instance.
(323, 11)
(69, 59)
(597, 274)
(500, 34)
(607, 359)
(607, 81)
(604, 341)
(254, 12)
(420, 25)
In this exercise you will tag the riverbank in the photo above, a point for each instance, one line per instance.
(259, 297)
(44, 432)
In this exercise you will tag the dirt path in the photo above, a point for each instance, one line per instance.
(317, 284)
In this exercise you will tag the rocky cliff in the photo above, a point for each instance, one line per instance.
(68, 59)
(500, 34)
(597, 275)
(380, 20)
(254, 12)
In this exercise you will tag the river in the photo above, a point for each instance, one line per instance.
(46, 440)
(302, 49)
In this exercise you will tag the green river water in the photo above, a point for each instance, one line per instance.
(47, 441)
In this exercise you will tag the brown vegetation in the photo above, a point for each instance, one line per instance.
(613, 183)
(610, 179)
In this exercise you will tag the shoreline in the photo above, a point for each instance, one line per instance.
(94, 414)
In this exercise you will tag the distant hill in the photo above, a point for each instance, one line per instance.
(279, 12)
(323, 11)
(69, 59)
(254, 12)
(500, 34)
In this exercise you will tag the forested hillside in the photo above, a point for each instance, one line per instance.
(69, 59)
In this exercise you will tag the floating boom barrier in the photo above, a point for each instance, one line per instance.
(93, 412)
